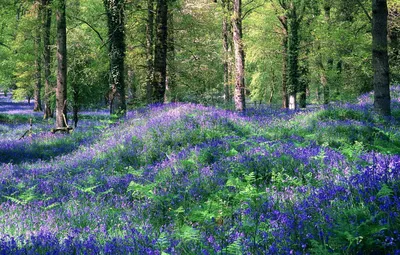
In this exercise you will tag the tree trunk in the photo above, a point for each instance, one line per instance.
(284, 44)
(303, 86)
(394, 43)
(149, 50)
(273, 81)
(225, 42)
(116, 51)
(170, 93)
(47, 58)
(132, 87)
(324, 78)
(240, 101)
(75, 106)
(380, 60)
(293, 50)
(38, 62)
(61, 92)
(161, 47)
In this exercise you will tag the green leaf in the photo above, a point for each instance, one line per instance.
(385, 191)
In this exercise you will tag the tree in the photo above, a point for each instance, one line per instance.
(38, 62)
(160, 55)
(149, 50)
(380, 59)
(394, 41)
(170, 87)
(116, 49)
(61, 91)
(284, 43)
(48, 90)
(226, 37)
(294, 11)
(240, 100)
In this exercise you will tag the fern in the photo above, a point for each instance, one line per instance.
(385, 191)
(15, 200)
(187, 233)
(88, 190)
(235, 247)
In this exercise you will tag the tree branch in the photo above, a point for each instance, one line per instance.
(365, 11)
(250, 10)
(89, 25)
(4, 45)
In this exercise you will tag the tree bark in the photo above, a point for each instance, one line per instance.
(75, 107)
(273, 81)
(38, 62)
(380, 60)
(284, 44)
(48, 90)
(324, 78)
(161, 47)
(225, 43)
(303, 85)
(61, 91)
(149, 50)
(116, 50)
(240, 100)
(293, 50)
(394, 42)
(170, 93)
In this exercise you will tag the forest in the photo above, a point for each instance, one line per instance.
(200, 127)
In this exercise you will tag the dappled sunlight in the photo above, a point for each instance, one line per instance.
(185, 176)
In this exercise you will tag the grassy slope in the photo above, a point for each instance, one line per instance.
(188, 179)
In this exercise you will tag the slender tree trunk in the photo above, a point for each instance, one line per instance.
(225, 42)
(47, 58)
(380, 60)
(293, 64)
(170, 93)
(240, 100)
(132, 86)
(149, 50)
(61, 91)
(75, 106)
(116, 50)
(38, 62)
(161, 47)
(273, 79)
(284, 44)
(324, 78)
(394, 43)
(303, 86)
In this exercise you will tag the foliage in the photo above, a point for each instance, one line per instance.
(191, 179)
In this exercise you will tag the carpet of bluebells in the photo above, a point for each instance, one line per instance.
(190, 179)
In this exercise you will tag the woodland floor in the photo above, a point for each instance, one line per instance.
(190, 179)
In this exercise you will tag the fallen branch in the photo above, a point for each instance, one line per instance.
(29, 131)
(61, 129)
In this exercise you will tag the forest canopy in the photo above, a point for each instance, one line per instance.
(285, 52)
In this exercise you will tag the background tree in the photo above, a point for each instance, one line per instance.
(160, 56)
(38, 63)
(61, 91)
(116, 48)
(149, 50)
(226, 42)
(46, 30)
(240, 100)
(170, 87)
(394, 40)
(333, 51)
(380, 59)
